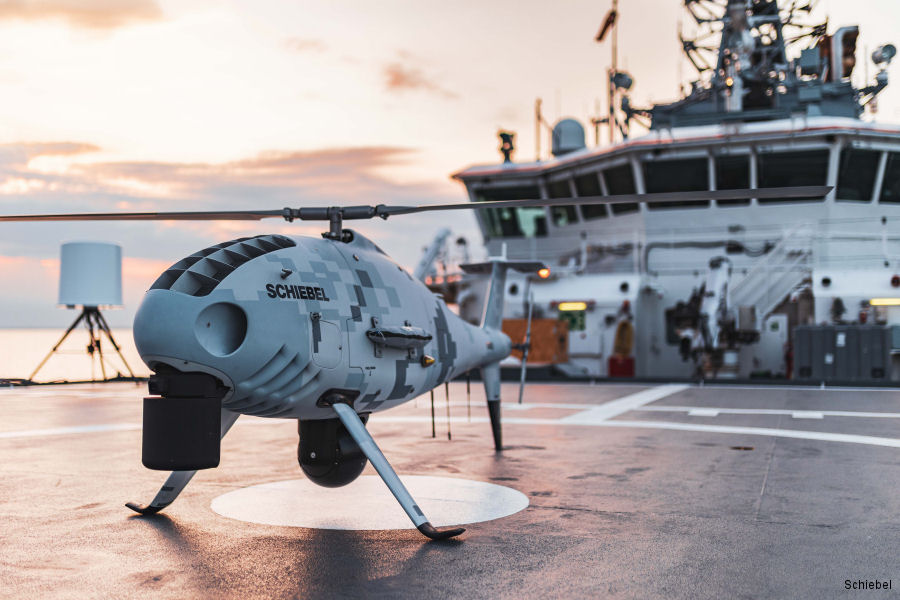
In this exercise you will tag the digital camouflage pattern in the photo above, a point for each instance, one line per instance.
(281, 321)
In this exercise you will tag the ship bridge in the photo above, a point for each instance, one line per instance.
(794, 261)
(860, 160)
(774, 105)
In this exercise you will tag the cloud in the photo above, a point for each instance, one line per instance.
(318, 174)
(401, 78)
(22, 153)
(334, 172)
(274, 179)
(305, 45)
(88, 14)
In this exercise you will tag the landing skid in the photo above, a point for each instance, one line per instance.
(178, 480)
(364, 440)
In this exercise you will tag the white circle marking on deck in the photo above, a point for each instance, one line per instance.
(367, 504)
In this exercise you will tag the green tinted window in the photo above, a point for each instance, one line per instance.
(562, 215)
(513, 222)
(856, 175)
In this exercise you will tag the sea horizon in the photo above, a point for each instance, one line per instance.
(23, 348)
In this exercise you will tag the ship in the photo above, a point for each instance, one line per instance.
(781, 288)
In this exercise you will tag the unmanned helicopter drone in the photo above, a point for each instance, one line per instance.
(324, 330)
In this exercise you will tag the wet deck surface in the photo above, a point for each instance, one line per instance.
(635, 491)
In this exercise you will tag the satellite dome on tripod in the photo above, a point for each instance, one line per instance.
(90, 274)
(90, 277)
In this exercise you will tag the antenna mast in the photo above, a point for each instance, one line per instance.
(613, 70)
(610, 25)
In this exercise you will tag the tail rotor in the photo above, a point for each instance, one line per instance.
(493, 321)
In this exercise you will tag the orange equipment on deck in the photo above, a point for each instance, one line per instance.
(549, 339)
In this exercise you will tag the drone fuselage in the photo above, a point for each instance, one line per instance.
(285, 324)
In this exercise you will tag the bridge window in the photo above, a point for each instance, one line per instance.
(683, 175)
(513, 222)
(589, 185)
(890, 190)
(562, 215)
(856, 176)
(733, 173)
(789, 169)
(620, 180)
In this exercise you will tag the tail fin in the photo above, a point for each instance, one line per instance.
(497, 267)
(493, 320)
(491, 376)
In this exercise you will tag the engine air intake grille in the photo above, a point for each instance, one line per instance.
(200, 273)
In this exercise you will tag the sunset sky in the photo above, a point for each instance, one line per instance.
(200, 104)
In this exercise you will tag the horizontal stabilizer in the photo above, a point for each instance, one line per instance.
(497, 268)
(485, 268)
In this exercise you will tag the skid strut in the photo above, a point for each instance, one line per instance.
(364, 440)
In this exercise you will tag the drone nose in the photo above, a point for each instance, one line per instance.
(257, 348)
(186, 332)
(221, 328)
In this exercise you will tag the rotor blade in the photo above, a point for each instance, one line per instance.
(811, 191)
(228, 215)
(325, 213)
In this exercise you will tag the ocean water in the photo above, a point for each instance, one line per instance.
(21, 350)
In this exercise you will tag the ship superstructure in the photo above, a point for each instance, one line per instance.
(755, 118)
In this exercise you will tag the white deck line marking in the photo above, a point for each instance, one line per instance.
(70, 430)
(703, 412)
(800, 388)
(596, 415)
(516, 407)
(104, 427)
(788, 433)
(807, 414)
(774, 411)
(616, 407)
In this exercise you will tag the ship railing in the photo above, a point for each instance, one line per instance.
(778, 273)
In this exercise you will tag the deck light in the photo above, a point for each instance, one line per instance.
(570, 306)
(885, 302)
(544, 273)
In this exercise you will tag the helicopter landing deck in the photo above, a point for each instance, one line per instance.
(632, 491)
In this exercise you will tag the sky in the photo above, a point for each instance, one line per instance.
(215, 104)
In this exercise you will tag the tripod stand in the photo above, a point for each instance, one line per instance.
(95, 325)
